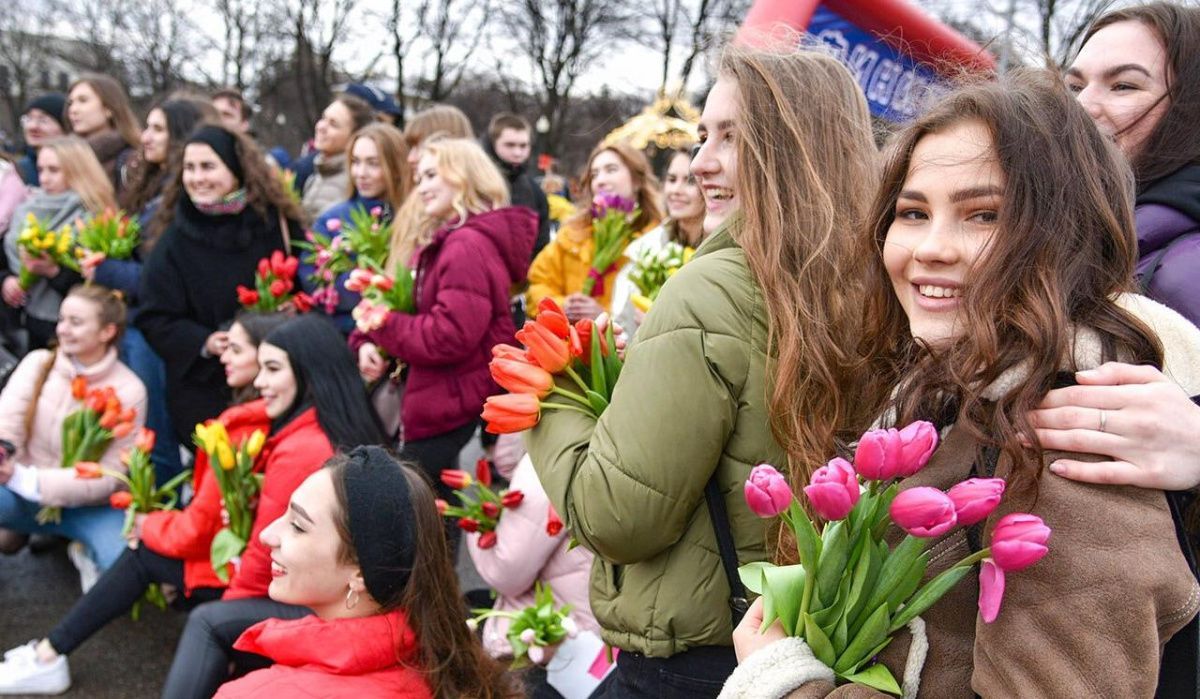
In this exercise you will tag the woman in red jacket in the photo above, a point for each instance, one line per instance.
(478, 249)
(175, 544)
(316, 403)
(347, 548)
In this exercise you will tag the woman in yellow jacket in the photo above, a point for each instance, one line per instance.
(559, 270)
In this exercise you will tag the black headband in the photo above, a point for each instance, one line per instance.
(382, 525)
(225, 145)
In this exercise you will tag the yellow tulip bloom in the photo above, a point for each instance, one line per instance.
(254, 445)
(225, 455)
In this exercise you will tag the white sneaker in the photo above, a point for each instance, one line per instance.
(89, 572)
(21, 673)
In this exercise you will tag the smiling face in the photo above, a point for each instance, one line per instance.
(206, 179)
(685, 202)
(276, 382)
(715, 163)
(366, 168)
(944, 218)
(1120, 77)
(306, 568)
(437, 194)
(39, 127)
(155, 138)
(610, 175)
(51, 177)
(80, 331)
(334, 129)
(85, 111)
(240, 358)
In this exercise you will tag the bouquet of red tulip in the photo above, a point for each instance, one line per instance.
(535, 629)
(274, 283)
(240, 485)
(553, 347)
(382, 294)
(87, 432)
(480, 506)
(143, 496)
(107, 235)
(611, 232)
(851, 591)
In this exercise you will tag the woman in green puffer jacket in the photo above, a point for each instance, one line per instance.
(742, 360)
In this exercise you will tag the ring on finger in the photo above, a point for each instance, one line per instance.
(1103, 421)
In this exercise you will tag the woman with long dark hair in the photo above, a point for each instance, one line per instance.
(361, 545)
(317, 405)
(958, 335)
(224, 211)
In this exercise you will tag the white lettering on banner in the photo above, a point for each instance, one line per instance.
(888, 84)
(883, 82)
(862, 62)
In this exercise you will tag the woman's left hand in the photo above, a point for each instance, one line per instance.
(746, 638)
(135, 532)
(578, 307)
(41, 265)
(1133, 414)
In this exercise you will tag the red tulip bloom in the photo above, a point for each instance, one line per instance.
(483, 471)
(516, 354)
(512, 412)
(88, 470)
(120, 500)
(490, 509)
(456, 478)
(247, 297)
(468, 525)
(79, 388)
(487, 540)
(521, 377)
(555, 322)
(144, 440)
(264, 267)
(554, 524)
(512, 498)
(122, 430)
(441, 506)
(550, 351)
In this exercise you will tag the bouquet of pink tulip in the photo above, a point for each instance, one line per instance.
(535, 630)
(851, 591)
(381, 294)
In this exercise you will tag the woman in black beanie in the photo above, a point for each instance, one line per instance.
(362, 545)
(43, 120)
(224, 211)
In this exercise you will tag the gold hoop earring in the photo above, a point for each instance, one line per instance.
(351, 593)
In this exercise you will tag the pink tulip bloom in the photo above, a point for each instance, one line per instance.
(924, 512)
(974, 499)
(834, 490)
(877, 456)
(917, 442)
(767, 491)
(1019, 541)
(991, 589)
(333, 225)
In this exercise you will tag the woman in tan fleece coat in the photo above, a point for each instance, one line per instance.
(1000, 248)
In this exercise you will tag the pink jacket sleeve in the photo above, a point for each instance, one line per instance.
(522, 547)
(14, 401)
(12, 192)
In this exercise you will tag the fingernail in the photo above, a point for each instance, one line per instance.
(1086, 373)
(1057, 467)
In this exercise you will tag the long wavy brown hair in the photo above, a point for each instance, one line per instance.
(1172, 143)
(806, 168)
(393, 151)
(1064, 248)
(449, 655)
(646, 190)
(264, 190)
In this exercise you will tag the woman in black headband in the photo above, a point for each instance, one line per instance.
(362, 545)
(224, 210)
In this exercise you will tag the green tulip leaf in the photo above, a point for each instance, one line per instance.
(909, 582)
(599, 374)
(784, 587)
(873, 631)
(225, 546)
(598, 402)
(752, 575)
(894, 568)
(876, 676)
(816, 639)
(808, 542)
(928, 595)
(835, 550)
(841, 635)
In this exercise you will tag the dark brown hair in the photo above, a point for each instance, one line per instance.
(438, 118)
(113, 98)
(1064, 247)
(182, 114)
(450, 656)
(233, 95)
(264, 190)
(361, 113)
(1172, 143)
(506, 120)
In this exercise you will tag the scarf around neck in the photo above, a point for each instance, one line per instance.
(232, 203)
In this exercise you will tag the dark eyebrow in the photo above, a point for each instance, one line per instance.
(723, 125)
(914, 195)
(975, 193)
(300, 511)
(1113, 72)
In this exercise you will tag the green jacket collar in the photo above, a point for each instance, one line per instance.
(722, 238)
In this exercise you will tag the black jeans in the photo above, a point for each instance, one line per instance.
(205, 650)
(437, 454)
(694, 674)
(115, 593)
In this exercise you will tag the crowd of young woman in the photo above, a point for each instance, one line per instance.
(1016, 269)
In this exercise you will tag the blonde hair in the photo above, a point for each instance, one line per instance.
(83, 172)
(479, 186)
(806, 175)
(393, 154)
(439, 118)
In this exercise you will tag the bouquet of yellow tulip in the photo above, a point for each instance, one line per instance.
(653, 268)
(38, 240)
(240, 485)
(107, 235)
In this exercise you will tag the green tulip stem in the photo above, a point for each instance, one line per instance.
(564, 406)
(575, 377)
(810, 580)
(572, 395)
(974, 558)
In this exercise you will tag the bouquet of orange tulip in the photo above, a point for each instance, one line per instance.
(107, 235)
(240, 485)
(87, 432)
(274, 284)
(480, 510)
(553, 347)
